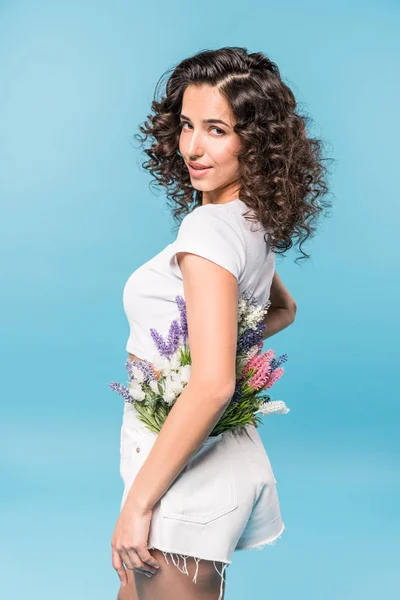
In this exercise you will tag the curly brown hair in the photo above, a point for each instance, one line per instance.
(282, 178)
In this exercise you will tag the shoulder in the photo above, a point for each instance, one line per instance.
(215, 232)
(216, 217)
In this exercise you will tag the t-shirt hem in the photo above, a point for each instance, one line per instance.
(132, 349)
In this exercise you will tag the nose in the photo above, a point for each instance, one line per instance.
(195, 149)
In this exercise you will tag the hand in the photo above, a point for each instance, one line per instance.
(129, 542)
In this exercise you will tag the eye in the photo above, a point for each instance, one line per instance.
(221, 131)
(218, 129)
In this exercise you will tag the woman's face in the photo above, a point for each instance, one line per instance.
(212, 144)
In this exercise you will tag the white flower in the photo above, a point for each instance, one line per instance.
(175, 361)
(275, 406)
(184, 373)
(173, 376)
(136, 391)
(254, 317)
(137, 374)
(173, 383)
(169, 398)
(252, 351)
(172, 389)
(242, 308)
(169, 395)
(161, 363)
(249, 315)
(177, 386)
(154, 385)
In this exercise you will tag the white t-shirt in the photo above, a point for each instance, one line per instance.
(217, 232)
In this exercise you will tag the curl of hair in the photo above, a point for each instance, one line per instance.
(283, 178)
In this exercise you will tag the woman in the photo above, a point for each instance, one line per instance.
(227, 144)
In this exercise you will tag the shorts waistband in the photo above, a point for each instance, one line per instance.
(131, 416)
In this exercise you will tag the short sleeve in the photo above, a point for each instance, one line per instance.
(213, 232)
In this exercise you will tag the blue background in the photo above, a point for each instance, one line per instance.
(78, 217)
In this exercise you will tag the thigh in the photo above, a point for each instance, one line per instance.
(169, 583)
(129, 592)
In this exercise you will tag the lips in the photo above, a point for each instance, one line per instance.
(197, 165)
(198, 172)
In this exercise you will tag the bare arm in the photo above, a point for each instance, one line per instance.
(211, 294)
(282, 311)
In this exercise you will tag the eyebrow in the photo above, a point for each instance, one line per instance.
(207, 120)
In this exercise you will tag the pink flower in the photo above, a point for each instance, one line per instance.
(270, 354)
(261, 365)
(274, 376)
(258, 361)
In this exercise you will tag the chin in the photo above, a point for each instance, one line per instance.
(201, 188)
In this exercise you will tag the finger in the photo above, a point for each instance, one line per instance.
(119, 567)
(143, 572)
(137, 563)
(129, 560)
(146, 557)
(133, 562)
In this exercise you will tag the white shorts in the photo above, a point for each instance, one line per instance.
(224, 500)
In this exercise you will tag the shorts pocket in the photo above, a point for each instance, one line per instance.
(128, 439)
(206, 489)
(133, 445)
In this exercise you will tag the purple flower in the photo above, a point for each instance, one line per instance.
(250, 337)
(173, 337)
(277, 362)
(183, 316)
(167, 348)
(128, 367)
(120, 389)
(238, 391)
(159, 342)
(249, 299)
(144, 366)
(176, 330)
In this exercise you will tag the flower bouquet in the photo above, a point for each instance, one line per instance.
(256, 371)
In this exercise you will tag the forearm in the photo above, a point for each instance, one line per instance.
(282, 311)
(189, 423)
(276, 319)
